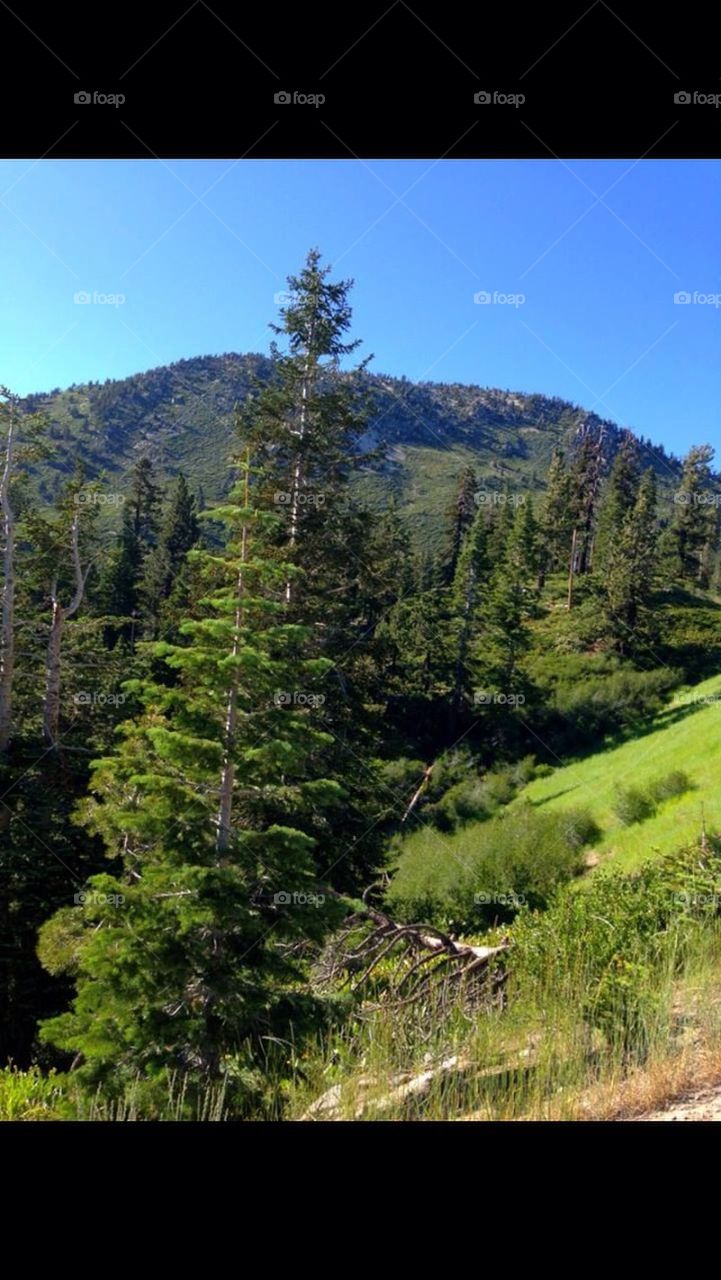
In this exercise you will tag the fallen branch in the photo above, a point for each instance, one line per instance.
(461, 970)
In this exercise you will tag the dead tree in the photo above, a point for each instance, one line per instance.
(60, 615)
(7, 620)
(427, 965)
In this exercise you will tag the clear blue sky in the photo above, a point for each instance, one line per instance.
(599, 325)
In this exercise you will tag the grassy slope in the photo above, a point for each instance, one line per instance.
(685, 735)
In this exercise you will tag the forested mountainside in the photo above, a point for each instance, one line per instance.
(306, 812)
(181, 417)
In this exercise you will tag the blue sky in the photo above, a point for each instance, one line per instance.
(198, 249)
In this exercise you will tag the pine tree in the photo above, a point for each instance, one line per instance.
(469, 582)
(462, 515)
(504, 637)
(62, 557)
(22, 437)
(187, 962)
(630, 570)
(586, 477)
(120, 589)
(556, 520)
(308, 421)
(179, 532)
(694, 529)
(619, 499)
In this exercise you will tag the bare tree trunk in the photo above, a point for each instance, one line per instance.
(51, 702)
(227, 779)
(572, 569)
(7, 622)
(51, 706)
(298, 470)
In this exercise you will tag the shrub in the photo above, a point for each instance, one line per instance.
(473, 798)
(489, 871)
(669, 784)
(28, 1095)
(608, 948)
(633, 804)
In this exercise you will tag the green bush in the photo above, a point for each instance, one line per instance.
(29, 1095)
(670, 784)
(488, 872)
(633, 804)
(609, 947)
(472, 798)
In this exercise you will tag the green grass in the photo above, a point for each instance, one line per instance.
(685, 735)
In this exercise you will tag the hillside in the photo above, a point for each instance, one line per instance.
(685, 735)
(181, 416)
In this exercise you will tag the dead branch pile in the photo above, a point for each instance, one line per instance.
(422, 964)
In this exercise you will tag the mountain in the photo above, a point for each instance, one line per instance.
(181, 416)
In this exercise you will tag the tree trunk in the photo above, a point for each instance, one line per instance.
(7, 622)
(51, 702)
(298, 471)
(51, 707)
(572, 570)
(227, 778)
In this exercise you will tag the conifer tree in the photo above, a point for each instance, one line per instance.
(630, 569)
(22, 443)
(618, 500)
(462, 515)
(694, 529)
(469, 583)
(186, 961)
(511, 602)
(586, 477)
(556, 519)
(120, 589)
(178, 533)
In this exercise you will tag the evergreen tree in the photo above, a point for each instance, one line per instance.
(694, 529)
(120, 589)
(619, 499)
(187, 962)
(630, 570)
(556, 520)
(504, 636)
(179, 532)
(586, 476)
(462, 515)
(470, 579)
